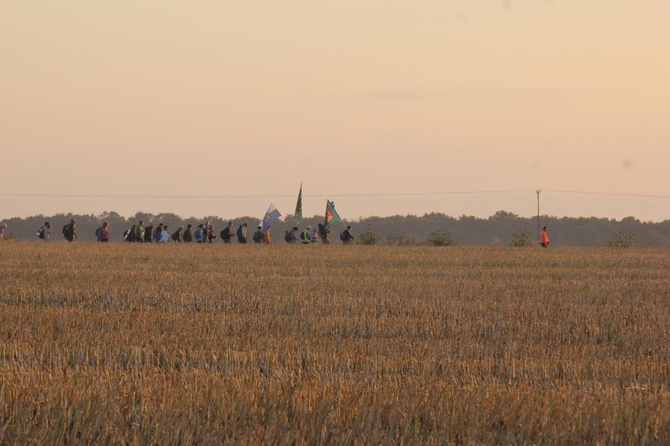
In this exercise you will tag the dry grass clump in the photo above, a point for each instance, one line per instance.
(193, 344)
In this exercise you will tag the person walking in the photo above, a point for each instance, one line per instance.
(242, 233)
(139, 232)
(258, 235)
(267, 235)
(200, 234)
(188, 236)
(130, 234)
(148, 233)
(70, 231)
(305, 235)
(294, 238)
(227, 233)
(544, 238)
(45, 232)
(103, 232)
(205, 232)
(164, 236)
(177, 235)
(347, 236)
(157, 233)
(2, 230)
(210, 233)
(314, 237)
(323, 233)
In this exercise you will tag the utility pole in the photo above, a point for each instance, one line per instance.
(537, 191)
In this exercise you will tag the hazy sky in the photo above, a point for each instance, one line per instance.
(361, 101)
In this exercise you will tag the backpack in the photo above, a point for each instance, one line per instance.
(199, 234)
(258, 235)
(129, 235)
(343, 236)
(239, 232)
(98, 233)
(65, 229)
(40, 232)
(303, 235)
(223, 234)
(287, 237)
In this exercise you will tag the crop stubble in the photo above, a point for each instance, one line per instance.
(192, 344)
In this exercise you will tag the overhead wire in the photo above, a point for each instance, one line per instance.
(371, 194)
(390, 194)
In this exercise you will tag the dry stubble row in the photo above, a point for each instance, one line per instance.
(281, 344)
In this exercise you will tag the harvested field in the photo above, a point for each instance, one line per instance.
(190, 344)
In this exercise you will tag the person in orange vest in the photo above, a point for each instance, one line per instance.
(544, 238)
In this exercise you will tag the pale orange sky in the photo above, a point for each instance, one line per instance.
(222, 98)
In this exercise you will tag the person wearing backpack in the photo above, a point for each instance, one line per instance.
(102, 233)
(227, 233)
(258, 235)
(293, 237)
(346, 236)
(129, 234)
(305, 237)
(157, 232)
(242, 233)
(70, 231)
(323, 233)
(176, 236)
(200, 234)
(164, 236)
(45, 232)
(105, 233)
(148, 233)
(188, 236)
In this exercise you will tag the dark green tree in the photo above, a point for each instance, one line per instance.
(368, 237)
(441, 238)
(521, 239)
(620, 240)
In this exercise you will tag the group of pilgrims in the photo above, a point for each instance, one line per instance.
(203, 233)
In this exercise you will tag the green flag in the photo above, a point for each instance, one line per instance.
(331, 214)
(298, 206)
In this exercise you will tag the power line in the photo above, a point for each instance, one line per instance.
(390, 194)
(615, 194)
(261, 196)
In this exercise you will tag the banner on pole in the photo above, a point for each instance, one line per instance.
(271, 215)
(332, 216)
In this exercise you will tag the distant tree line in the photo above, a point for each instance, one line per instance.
(502, 228)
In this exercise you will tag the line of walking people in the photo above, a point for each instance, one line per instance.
(140, 233)
(203, 233)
